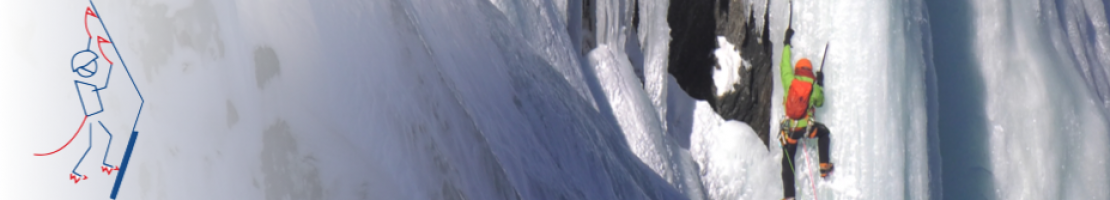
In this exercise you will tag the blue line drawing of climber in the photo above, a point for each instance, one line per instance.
(86, 64)
(94, 67)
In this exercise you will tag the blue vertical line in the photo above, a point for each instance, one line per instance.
(83, 155)
(123, 166)
(142, 101)
(107, 148)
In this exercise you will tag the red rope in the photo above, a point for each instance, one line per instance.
(70, 139)
(811, 178)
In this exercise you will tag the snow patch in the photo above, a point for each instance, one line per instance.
(734, 162)
(729, 63)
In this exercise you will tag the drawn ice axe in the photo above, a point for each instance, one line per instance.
(100, 52)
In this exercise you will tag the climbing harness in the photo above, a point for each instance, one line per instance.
(785, 138)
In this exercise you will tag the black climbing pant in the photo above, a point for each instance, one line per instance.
(822, 150)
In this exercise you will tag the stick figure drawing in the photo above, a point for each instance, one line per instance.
(106, 111)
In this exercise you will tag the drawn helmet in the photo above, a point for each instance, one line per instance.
(84, 63)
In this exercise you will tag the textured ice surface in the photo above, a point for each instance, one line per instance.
(875, 107)
(476, 99)
(1048, 139)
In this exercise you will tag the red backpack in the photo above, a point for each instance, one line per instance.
(797, 99)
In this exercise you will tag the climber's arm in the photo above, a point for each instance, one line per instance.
(786, 69)
(818, 97)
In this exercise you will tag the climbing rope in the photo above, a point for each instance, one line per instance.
(811, 178)
(809, 127)
(790, 160)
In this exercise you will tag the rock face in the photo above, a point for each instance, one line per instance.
(694, 27)
(693, 38)
(750, 100)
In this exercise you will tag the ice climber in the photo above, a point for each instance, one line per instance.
(804, 93)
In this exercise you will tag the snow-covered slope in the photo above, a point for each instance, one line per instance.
(639, 106)
(350, 100)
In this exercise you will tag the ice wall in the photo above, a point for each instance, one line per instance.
(875, 106)
(1046, 120)
(1088, 40)
(639, 105)
(469, 99)
(654, 34)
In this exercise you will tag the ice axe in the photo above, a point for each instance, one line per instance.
(790, 25)
(824, 55)
(790, 20)
(821, 67)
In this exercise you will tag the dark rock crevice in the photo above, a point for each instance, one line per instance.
(589, 40)
(693, 38)
(695, 26)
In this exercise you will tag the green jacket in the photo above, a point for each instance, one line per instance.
(786, 70)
